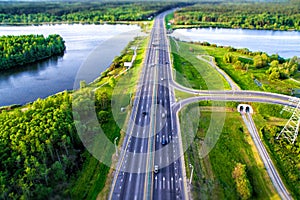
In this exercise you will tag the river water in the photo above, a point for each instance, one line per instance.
(89, 50)
(285, 43)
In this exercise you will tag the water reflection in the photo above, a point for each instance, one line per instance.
(284, 43)
(25, 84)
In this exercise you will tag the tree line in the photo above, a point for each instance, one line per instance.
(24, 49)
(80, 12)
(41, 154)
(276, 66)
(271, 16)
(286, 157)
(39, 149)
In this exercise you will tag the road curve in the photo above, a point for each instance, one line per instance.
(273, 174)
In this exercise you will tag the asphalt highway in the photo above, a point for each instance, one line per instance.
(151, 165)
(152, 138)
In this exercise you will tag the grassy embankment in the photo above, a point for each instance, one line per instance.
(53, 124)
(244, 78)
(213, 173)
(95, 178)
(168, 19)
(193, 72)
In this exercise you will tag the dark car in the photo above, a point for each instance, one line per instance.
(164, 141)
(144, 113)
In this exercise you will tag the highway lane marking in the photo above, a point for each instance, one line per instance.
(130, 177)
(160, 185)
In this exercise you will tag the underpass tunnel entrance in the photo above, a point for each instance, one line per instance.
(245, 108)
(241, 109)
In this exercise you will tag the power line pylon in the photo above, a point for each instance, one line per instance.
(291, 128)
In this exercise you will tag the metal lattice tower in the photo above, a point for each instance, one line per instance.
(291, 129)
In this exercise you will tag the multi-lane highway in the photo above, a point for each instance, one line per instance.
(150, 166)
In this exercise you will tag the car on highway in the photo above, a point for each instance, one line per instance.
(163, 115)
(144, 113)
(155, 169)
(163, 140)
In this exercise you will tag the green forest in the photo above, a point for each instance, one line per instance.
(41, 154)
(80, 12)
(24, 49)
(270, 16)
(39, 149)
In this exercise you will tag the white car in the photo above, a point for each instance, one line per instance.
(155, 169)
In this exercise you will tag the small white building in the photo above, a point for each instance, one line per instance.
(128, 64)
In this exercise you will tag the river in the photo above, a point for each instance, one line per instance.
(99, 43)
(285, 43)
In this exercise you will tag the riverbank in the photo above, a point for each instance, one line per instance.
(241, 69)
(283, 43)
(212, 174)
(27, 49)
(64, 178)
(94, 48)
(246, 15)
(198, 26)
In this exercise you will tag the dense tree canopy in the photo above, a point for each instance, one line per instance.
(41, 154)
(83, 12)
(243, 185)
(285, 155)
(24, 49)
(276, 67)
(275, 16)
(38, 148)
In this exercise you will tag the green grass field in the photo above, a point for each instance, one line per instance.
(212, 174)
(192, 72)
(245, 78)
